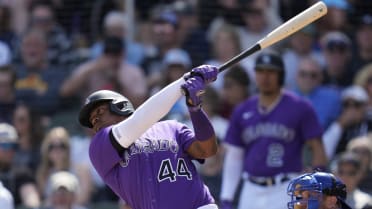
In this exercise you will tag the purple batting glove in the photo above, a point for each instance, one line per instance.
(207, 72)
(193, 90)
(226, 204)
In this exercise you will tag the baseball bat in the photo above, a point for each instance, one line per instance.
(291, 26)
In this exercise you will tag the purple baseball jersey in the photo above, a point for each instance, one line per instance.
(273, 141)
(153, 173)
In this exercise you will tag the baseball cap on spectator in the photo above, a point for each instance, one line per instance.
(167, 16)
(8, 133)
(177, 57)
(8, 136)
(336, 40)
(183, 8)
(5, 54)
(356, 93)
(348, 158)
(269, 60)
(64, 180)
(115, 18)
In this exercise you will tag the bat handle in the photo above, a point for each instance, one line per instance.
(239, 57)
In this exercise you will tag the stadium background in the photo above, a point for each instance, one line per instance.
(196, 20)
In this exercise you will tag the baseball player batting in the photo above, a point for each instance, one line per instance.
(265, 139)
(148, 163)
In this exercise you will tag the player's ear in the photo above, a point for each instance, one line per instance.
(331, 202)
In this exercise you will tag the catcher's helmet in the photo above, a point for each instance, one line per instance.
(118, 104)
(271, 60)
(307, 190)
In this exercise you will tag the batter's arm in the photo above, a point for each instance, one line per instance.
(203, 149)
(205, 144)
(147, 114)
(319, 158)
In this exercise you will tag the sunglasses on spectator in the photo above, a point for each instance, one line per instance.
(306, 74)
(354, 104)
(57, 146)
(8, 146)
(346, 172)
(337, 46)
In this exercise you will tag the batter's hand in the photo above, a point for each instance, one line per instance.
(207, 72)
(193, 90)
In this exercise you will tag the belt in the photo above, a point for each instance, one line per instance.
(268, 181)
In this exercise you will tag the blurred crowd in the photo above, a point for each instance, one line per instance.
(54, 53)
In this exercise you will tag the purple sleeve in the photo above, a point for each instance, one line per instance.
(102, 153)
(185, 135)
(233, 136)
(310, 124)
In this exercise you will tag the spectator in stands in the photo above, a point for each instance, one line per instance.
(30, 133)
(300, 45)
(192, 37)
(20, 21)
(325, 100)
(363, 41)
(225, 44)
(38, 82)
(337, 18)
(352, 121)
(236, 88)
(60, 50)
(164, 33)
(18, 180)
(336, 47)
(363, 78)
(362, 146)
(79, 144)
(7, 93)
(107, 72)
(115, 24)
(221, 10)
(64, 190)
(55, 156)
(176, 63)
(348, 169)
(257, 24)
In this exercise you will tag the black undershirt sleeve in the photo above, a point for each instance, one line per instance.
(116, 144)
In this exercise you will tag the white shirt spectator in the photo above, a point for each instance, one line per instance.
(5, 54)
(6, 198)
